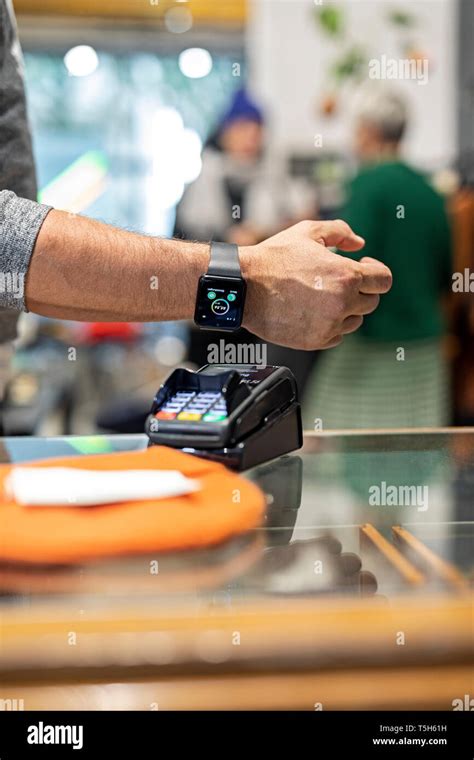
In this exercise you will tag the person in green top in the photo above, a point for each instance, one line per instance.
(392, 373)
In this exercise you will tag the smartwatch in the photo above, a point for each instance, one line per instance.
(221, 292)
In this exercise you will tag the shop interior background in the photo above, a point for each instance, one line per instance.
(123, 95)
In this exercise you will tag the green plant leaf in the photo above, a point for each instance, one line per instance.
(349, 64)
(331, 20)
(402, 18)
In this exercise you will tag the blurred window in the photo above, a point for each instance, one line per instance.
(118, 135)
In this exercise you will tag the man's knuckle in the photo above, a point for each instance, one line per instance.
(352, 279)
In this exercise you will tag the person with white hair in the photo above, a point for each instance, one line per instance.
(393, 373)
(381, 122)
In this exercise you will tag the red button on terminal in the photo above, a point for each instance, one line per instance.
(165, 415)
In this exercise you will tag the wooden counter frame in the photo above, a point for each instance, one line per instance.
(292, 654)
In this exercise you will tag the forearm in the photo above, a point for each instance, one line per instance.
(84, 270)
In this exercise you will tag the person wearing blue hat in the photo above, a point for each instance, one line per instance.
(244, 191)
(242, 108)
(243, 194)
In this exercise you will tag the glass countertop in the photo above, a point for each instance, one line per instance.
(359, 514)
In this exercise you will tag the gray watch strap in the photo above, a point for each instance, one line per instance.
(224, 261)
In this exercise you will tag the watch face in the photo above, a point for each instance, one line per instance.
(220, 303)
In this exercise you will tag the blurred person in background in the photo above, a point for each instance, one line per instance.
(394, 372)
(243, 194)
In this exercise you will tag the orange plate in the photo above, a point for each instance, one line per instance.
(225, 506)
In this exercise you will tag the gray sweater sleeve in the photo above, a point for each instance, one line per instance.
(20, 222)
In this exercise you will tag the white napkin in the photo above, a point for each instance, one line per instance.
(67, 486)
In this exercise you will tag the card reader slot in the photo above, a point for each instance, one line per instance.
(268, 405)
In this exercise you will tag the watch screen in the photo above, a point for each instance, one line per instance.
(220, 303)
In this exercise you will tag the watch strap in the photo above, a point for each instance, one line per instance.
(224, 260)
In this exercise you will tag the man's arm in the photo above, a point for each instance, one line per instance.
(85, 270)
(300, 294)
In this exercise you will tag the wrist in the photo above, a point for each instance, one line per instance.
(221, 294)
(245, 259)
(199, 256)
(183, 264)
(249, 265)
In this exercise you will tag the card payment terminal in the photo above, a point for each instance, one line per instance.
(240, 414)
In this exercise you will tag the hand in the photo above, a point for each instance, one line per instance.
(302, 295)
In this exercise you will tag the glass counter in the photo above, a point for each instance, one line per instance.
(361, 571)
